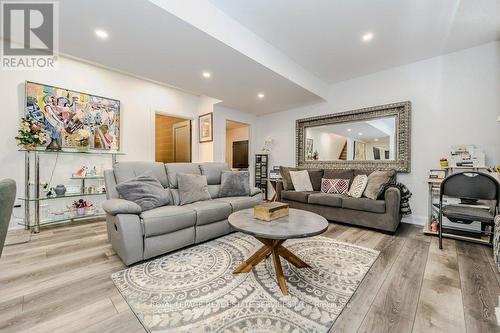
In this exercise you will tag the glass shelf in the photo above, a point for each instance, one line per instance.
(66, 218)
(87, 177)
(72, 195)
(73, 151)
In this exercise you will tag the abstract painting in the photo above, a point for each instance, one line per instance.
(66, 113)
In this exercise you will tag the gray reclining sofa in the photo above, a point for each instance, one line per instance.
(136, 235)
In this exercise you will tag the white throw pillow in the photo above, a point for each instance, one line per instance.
(358, 186)
(301, 180)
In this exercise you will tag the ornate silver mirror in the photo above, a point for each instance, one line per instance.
(371, 138)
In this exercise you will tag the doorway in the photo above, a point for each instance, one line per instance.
(237, 152)
(172, 139)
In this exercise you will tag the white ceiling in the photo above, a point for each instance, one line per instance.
(289, 49)
(324, 36)
(148, 41)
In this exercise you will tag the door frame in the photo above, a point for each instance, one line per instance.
(152, 136)
(250, 155)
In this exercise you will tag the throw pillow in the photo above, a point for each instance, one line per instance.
(358, 186)
(334, 186)
(301, 181)
(234, 184)
(192, 188)
(144, 190)
(377, 181)
(315, 176)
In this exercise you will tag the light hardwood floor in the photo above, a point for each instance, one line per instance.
(59, 281)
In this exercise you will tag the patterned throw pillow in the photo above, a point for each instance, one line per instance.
(358, 186)
(334, 186)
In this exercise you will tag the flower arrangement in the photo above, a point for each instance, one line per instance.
(30, 133)
(82, 136)
(81, 205)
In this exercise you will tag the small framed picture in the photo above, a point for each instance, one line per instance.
(206, 131)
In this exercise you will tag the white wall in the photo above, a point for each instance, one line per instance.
(139, 100)
(455, 100)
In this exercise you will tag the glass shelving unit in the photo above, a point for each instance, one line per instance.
(32, 198)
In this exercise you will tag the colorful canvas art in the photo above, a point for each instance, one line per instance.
(68, 115)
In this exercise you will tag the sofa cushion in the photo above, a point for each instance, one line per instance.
(210, 211)
(339, 174)
(174, 168)
(126, 170)
(296, 195)
(358, 186)
(377, 182)
(192, 188)
(234, 184)
(167, 219)
(323, 199)
(240, 203)
(213, 171)
(315, 176)
(144, 190)
(364, 204)
(301, 180)
(214, 191)
(335, 186)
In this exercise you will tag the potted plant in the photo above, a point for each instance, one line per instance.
(30, 134)
(80, 206)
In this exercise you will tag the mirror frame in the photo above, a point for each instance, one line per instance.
(402, 112)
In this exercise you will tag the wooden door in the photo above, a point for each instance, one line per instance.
(182, 141)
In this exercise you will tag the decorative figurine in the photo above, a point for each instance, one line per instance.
(82, 172)
(92, 172)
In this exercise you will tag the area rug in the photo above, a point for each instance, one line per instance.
(193, 290)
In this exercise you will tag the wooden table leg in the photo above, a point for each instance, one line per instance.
(247, 265)
(275, 248)
(292, 258)
(279, 271)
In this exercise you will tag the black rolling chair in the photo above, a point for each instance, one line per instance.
(469, 187)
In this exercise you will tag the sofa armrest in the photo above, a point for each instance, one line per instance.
(125, 233)
(121, 206)
(254, 191)
(393, 201)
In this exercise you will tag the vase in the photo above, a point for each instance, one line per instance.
(80, 211)
(60, 190)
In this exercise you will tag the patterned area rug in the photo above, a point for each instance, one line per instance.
(193, 290)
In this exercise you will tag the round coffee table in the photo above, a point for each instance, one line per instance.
(272, 234)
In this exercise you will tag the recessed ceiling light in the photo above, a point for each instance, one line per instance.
(375, 140)
(348, 130)
(367, 37)
(206, 75)
(360, 134)
(261, 95)
(101, 34)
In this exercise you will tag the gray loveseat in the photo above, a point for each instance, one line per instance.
(382, 214)
(137, 235)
